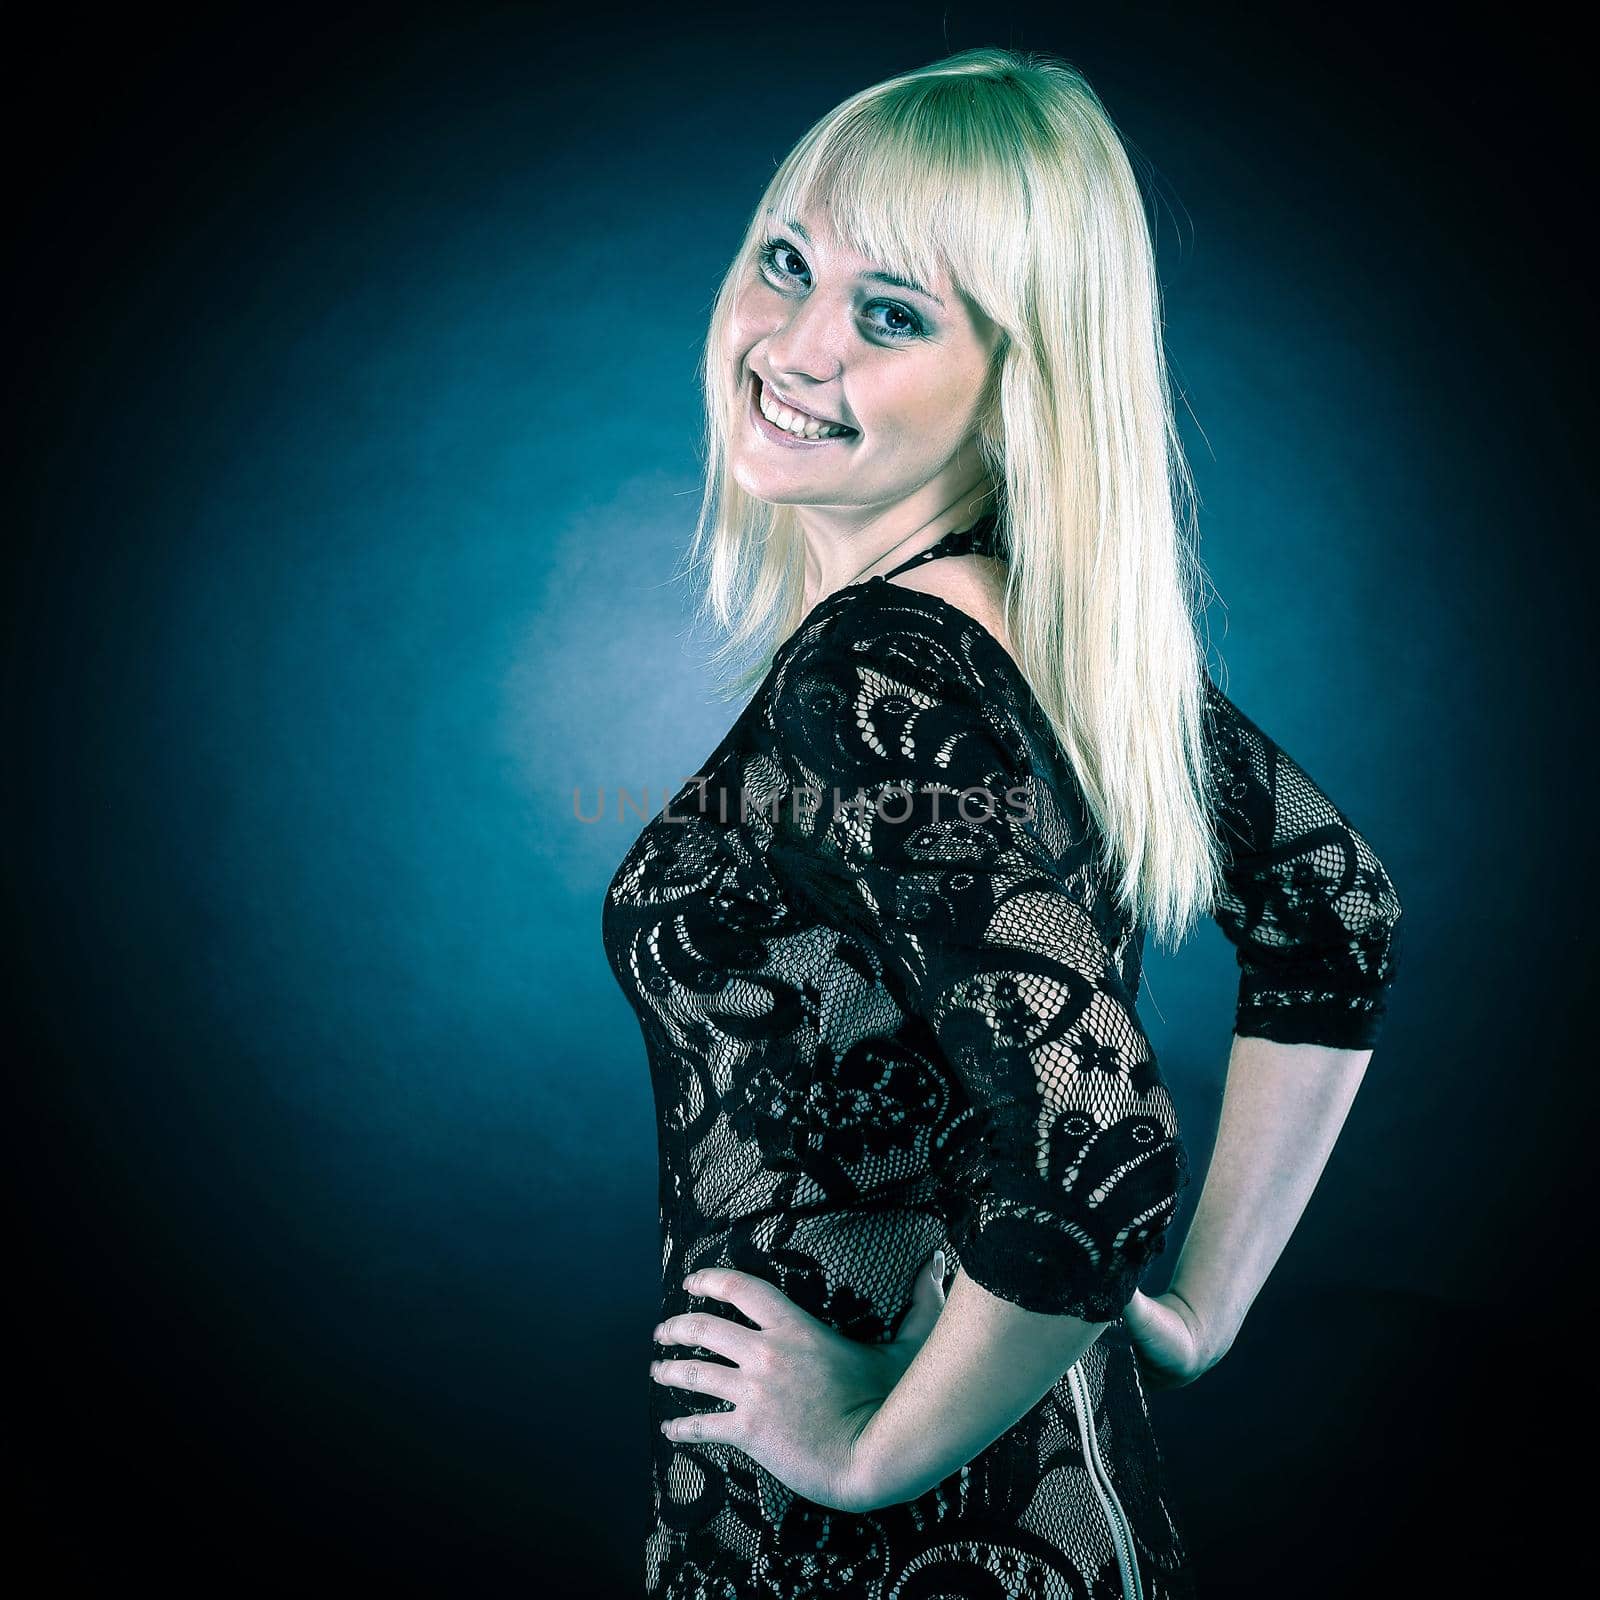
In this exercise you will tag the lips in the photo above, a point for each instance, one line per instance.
(760, 386)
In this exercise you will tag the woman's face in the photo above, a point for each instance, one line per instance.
(816, 325)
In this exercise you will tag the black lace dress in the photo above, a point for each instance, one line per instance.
(907, 1021)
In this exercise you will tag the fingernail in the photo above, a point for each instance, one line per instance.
(938, 1265)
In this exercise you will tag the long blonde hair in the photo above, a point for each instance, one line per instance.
(1004, 169)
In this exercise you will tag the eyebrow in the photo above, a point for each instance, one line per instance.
(876, 276)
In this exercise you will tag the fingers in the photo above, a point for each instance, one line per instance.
(1162, 1342)
(927, 1300)
(1147, 1318)
(703, 1377)
(707, 1331)
(762, 1302)
(714, 1427)
(1136, 1314)
(930, 1281)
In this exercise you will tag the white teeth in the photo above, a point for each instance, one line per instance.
(791, 422)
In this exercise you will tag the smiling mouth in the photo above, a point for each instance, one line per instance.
(836, 430)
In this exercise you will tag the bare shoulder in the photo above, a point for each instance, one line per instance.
(972, 583)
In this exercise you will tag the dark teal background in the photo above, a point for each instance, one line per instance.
(354, 444)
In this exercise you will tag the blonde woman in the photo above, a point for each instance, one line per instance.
(885, 946)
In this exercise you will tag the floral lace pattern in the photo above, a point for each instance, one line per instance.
(1309, 908)
(888, 1004)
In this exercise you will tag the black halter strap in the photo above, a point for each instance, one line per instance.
(978, 539)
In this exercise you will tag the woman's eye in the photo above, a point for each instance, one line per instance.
(904, 330)
(778, 259)
(775, 251)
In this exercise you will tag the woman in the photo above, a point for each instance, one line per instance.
(885, 947)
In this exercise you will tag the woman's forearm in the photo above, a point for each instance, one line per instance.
(1282, 1108)
(985, 1365)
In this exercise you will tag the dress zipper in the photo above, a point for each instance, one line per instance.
(1121, 1529)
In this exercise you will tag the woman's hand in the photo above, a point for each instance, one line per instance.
(802, 1391)
(1169, 1339)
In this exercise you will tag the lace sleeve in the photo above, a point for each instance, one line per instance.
(1307, 905)
(937, 838)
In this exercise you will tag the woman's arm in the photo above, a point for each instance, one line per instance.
(1314, 917)
(984, 1366)
(1061, 1169)
(987, 1362)
(1282, 1108)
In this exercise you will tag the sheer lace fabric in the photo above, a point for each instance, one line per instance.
(888, 1004)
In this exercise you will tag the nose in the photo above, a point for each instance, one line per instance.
(804, 348)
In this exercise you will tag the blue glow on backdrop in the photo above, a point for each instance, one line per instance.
(361, 456)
